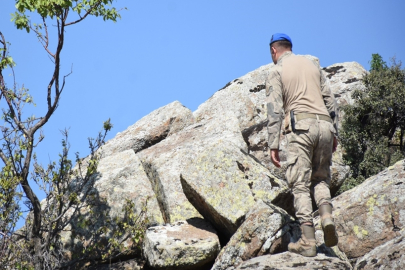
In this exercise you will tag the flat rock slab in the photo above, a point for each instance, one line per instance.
(165, 161)
(388, 256)
(223, 183)
(371, 213)
(151, 129)
(263, 226)
(183, 245)
(288, 260)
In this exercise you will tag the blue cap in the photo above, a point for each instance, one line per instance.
(278, 37)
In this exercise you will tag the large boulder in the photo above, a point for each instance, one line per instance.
(223, 183)
(165, 161)
(388, 256)
(191, 244)
(371, 213)
(264, 226)
(119, 178)
(343, 78)
(244, 97)
(151, 129)
(288, 260)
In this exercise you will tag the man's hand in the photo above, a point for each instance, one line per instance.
(335, 144)
(275, 158)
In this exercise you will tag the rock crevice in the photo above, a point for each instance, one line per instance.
(158, 189)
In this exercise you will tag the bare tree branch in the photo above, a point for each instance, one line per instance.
(3, 41)
(86, 14)
(2, 83)
(43, 40)
(64, 78)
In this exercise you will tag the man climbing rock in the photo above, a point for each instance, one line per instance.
(297, 89)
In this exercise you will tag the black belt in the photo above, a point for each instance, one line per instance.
(300, 116)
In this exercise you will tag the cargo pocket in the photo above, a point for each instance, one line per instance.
(301, 126)
(290, 170)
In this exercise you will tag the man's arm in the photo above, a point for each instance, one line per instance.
(331, 105)
(274, 100)
(330, 102)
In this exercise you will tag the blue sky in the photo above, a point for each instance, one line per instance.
(162, 51)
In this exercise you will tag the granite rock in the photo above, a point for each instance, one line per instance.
(263, 227)
(165, 161)
(120, 177)
(191, 244)
(288, 260)
(371, 213)
(388, 256)
(150, 129)
(223, 183)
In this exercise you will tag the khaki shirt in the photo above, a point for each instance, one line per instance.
(296, 83)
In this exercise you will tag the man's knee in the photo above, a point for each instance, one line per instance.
(303, 206)
(298, 175)
(321, 194)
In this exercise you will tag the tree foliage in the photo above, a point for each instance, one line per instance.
(68, 189)
(373, 127)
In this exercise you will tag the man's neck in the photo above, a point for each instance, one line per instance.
(283, 54)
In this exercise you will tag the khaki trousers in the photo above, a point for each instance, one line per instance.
(308, 165)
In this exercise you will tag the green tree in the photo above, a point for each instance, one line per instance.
(21, 135)
(373, 127)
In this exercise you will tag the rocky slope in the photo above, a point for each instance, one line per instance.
(215, 201)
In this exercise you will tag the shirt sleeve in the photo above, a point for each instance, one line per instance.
(330, 102)
(274, 100)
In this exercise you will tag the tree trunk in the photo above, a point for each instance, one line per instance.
(36, 224)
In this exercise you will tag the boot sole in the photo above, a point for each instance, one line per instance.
(330, 235)
(311, 252)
